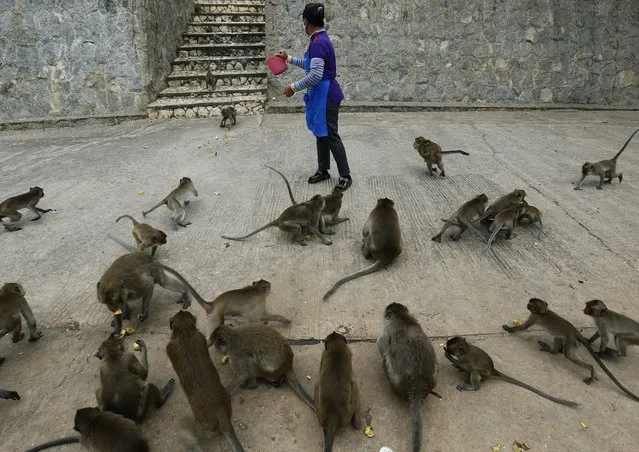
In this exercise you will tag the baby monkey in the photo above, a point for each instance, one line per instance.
(145, 235)
(228, 114)
(210, 79)
(432, 153)
(532, 214)
(611, 325)
(29, 200)
(176, 201)
(479, 366)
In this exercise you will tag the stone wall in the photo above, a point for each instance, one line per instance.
(86, 57)
(484, 51)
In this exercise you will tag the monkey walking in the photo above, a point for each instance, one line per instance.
(382, 241)
(409, 361)
(432, 153)
(566, 337)
(228, 114)
(29, 200)
(145, 235)
(464, 217)
(611, 325)
(605, 169)
(176, 202)
(479, 366)
(12, 305)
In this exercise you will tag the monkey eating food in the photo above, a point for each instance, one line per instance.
(176, 202)
(145, 235)
(432, 153)
(611, 325)
(29, 200)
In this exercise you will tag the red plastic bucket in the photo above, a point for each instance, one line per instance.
(276, 64)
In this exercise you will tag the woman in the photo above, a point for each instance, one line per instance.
(323, 96)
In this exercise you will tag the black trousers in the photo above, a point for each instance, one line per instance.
(332, 144)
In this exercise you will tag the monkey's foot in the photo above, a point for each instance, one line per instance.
(141, 317)
(187, 202)
(12, 229)
(183, 224)
(620, 178)
(599, 187)
(35, 337)
(610, 352)
(328, 232)
(36, 219)
(442, 175)
(589, 380)
(466, 387)
(185, 301)
(576, 188)
(437, 238)
(168, 389)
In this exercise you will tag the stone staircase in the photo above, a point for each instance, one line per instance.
(230, 37)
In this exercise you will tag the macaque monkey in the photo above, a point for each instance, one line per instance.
(9, 395)
(382, 241)
(566, 339)
(12, 305)
(605, 169)
(464, 217)
(145, 235)
(29, 200)
(210, 79)
(611, 325)
(176, 201)
(432, 153)
(504, 220)
(409, 361)
(479, 366)
(532, 214)
(228, 114)
(514, 198)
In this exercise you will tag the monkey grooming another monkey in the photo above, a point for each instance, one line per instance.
(209, 401)
(122, 376)
(210, 79)
(532, 214)
(514, 198)
(29, 200)
(382, 241)
(12, 305)
(293, 219)
(258, 351)
(504, 220)
(605, 169)
(409, 361)
(145, 235)
(432, 153)
(566, 337)
(336, 394)
(176, 201)
(479, 365)
(611, 325)
(9, 395)
(228, 114)
(464, 217)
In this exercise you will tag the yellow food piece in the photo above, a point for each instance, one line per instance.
(517, 322)
(224, 359)
(368, 431)
(496, 448)
(118, 312)
(140, 193)
(136, 347)
(583, 425)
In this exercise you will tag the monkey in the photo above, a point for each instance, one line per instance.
(505, 219)
(12, 305)
(610, 324)
(102, 431)
(122, 388)
(228, 113)
(464, 217)
(532, 214)
(381, 241)
(29, 200)
(566, 339)
(209, 400)
(145, 235)
(9, 395)
(409, 362)
(336, 394)
(432, 153)
(210, 79)
(176, 201)
(293, 219)
(479, 366)
(258, 351)
(515, 197)
(605, 169)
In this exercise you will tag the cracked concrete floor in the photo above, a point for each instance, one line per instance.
(91, 175)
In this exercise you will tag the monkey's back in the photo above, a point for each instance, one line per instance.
(268, 347)
(385, 233)
(334, 390)
(125, 265)
(121, 388)
(110, 432)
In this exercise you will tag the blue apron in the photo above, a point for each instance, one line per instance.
(315, 99)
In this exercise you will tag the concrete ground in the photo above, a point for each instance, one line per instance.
(91, 175)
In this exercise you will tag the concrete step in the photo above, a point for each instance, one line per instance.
(225, 78)
(165, 108)
(225, 27)
(217, 63)
(246, 17)
(224, 38)
(223, 91)
(233, 7)
(201, 50)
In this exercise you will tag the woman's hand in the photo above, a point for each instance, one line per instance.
(283, 55)
(288, 91)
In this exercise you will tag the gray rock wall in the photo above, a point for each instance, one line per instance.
(484, 51)
(85, 57)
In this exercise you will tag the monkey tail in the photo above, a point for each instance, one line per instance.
(269, 225)
(456, 151)
(55, 442)
(135, 223)
(288, 186)
(504, 377)
(378, 265)
(161, 203)
(126, 246)
(329, 432)
(416, 421)
(624, 146)
(206, 305)
(294, 383)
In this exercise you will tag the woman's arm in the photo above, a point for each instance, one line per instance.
(313, 77)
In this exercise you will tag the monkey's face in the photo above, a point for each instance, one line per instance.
(262, 285)
(37, 191)
(457, 346)
(160, 238)
(419, 143)
(220, 338)
(12, 289)
(111, 346)
(519, 194)
(586, 168)
(110, 295)
(537, 306)
(185, 180)
(483, 198)
(595, 308)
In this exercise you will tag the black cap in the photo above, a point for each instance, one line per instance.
(314, 13)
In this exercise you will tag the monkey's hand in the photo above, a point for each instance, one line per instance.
(139, 345)
(609, 352)
(141, 317)
(34, 338)
(577, 188)
(509, 329)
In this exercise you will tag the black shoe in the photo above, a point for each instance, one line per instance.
(344, 183)
(319, 176)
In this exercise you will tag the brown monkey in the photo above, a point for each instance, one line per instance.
(605, 169)
(228, 114)
(382, 241)
(12, 304)
(122, 388)
(102, 432)
(464, 217)
(515, 197)
(610, 324)
(532, 214)
(210, 79)
(409, 361)
(258, 351)
(145, 235)
(29, 200)
(336, 395)
(566, 339)
(294, 218)
(432, 153)
(479, 366)
(209, 401)
(176, 201)
(9, 395)
(505, 219)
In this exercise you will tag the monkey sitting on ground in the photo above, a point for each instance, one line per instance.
(209, 401)
(12, 305)
(464, 217)
(176, 201)
(479, 366)
(409, 361)
(9, 395)
(257, 351)
(29, 200)
(605, 169)
(210, 79)
(382, 241)
(514, 198)
(293, 219)
(102, 432)
(611, 325)
(336, 394)
(532, 214)
(228, 114)
(505, 220)
(432, 153)
(566, 337)
(122, 378)
(145, 235)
